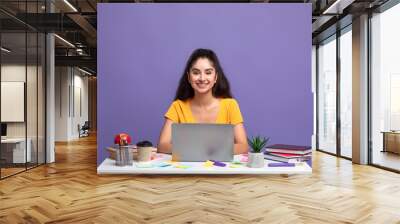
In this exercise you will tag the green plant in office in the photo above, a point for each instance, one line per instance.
(257, 143)
(256, 155)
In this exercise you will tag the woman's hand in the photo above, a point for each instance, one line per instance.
(164, 143)
(240, 136)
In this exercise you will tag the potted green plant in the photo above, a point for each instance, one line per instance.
(256, 154)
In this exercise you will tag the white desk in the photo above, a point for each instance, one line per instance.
(18, 150)
(108, 167)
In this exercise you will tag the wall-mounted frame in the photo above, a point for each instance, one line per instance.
(12, 101)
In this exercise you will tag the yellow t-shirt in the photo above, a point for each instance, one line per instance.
(229, 112)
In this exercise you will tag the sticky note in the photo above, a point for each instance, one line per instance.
(181, 166)
(208, 163)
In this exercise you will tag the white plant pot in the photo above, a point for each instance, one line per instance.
(256, 160)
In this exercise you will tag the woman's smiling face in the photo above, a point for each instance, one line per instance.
(202, 76)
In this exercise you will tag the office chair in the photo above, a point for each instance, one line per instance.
(84, 130)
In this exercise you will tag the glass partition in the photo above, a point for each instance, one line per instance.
(32, 95)
(22, 77)
(41, 87)
(13, 108)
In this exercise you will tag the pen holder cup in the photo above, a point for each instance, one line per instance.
(124, 156)
(256, 160)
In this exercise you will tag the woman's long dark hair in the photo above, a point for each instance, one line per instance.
(220, 89)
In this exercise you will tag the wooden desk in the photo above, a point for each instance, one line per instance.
(108, 167)
(391, 141)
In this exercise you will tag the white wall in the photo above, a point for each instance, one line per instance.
(62, 80)
(71, 93)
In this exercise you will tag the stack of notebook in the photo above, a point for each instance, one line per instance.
(287, 153)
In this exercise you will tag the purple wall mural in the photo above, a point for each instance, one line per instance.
(265, 50)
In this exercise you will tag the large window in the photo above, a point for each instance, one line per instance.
(346, 92)
(334, 138)
(385, 88)
(327, 95)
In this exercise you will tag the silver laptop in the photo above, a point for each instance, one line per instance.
(201, 142)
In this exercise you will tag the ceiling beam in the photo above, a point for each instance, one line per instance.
(337, 6)
(84, 61)
(84, 24)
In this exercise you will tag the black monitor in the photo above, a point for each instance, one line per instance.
(3, 129)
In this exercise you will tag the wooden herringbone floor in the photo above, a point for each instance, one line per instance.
(70, 191)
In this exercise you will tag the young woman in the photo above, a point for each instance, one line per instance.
(204, 96)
